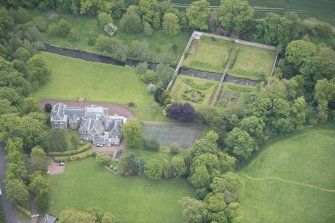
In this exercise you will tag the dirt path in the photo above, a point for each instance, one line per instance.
(112, 107)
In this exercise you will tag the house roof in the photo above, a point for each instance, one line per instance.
(58, 112)
(99, 139)
(85, 125)
(94, 112)
(74, 113)
(96, 126)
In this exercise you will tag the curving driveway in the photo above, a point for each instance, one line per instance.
(11, 213)
(112, 107)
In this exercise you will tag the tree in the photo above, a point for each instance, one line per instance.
(205, 145)
(74, 216)
(180, 168)
(129, 165)
(197, 14)
(97, 212)
(41, 186)
(234, 213)
(131, 22)
(215, 205)
(153, 169)
(200, 177)
(30, 105)
(47, 108)
(133, 134)
(227, 182)
(149, 11)
(171, 24)
(104, 18)
(109, 218)
(112, 47)
(181, 112)
(151, 144)
(235, 15)
(255, 127)
(240, 143)
(39, 70)
(38, 160)
(194, 210)
(16, 191)
(139, 50)
(276, 30)
(299, 51)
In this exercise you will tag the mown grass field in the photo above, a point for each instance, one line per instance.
(72, 78)
(179, 87)
(252, 62)
(131, 199)
(88, 27)
(209, 55)
(292, 179)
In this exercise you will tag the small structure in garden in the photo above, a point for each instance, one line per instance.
(49, 219)
(110, 29)
(93, 123)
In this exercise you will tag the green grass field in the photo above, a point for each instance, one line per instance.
(97, 82)
(180, 87)
(252, 62)
(208, 55)
(131, 199)
(88, 27)
(292, 179)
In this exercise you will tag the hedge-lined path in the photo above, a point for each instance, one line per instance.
(112, 107)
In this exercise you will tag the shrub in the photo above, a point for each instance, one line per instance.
(193, 95)
(73, 34)
(47, 108)
(150, 77)
(174, 148)
(41, 23)
(131, 104)
(75, 157)
(151, 144)
(153, 169)
(103, 160)
(91, 41)
(181, 112)
(141, 68)
(147, 29)
(71, 152)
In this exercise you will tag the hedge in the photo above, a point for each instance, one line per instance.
(71, 152)
(75, 157)
(23, 210)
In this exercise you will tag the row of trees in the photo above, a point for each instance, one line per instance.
(22, 125)
(91, 215)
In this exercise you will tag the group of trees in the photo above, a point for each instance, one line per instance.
(23, 127)
(91, 215)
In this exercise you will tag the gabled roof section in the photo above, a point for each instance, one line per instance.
(74, 113)
(85, 125)
(58, 112)
(95, 127)
(95, 112)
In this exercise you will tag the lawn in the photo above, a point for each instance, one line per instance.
(252, 62)
(201, 90)
(230, 94)
(72, 78)
(131, 199)
(208, 55)
(88, 27)
(292, 179)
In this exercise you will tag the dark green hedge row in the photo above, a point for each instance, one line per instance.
(71, 152)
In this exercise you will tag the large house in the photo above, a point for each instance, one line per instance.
(93, 122)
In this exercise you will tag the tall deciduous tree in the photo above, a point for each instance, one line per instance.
(129, 164)
(16, 190)
(198, 14)
(131, 22)
(39, 70)
(240, 143)
(235, 15)
(194, 210)
(171, 24)
(38, 160)
(133, 134)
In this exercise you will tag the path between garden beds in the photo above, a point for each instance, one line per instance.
(112, 107)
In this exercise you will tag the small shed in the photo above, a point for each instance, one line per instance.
(49, 219)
